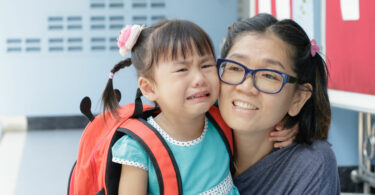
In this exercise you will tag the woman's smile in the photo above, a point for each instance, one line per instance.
(244, 105)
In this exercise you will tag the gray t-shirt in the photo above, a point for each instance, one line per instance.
(296, 169)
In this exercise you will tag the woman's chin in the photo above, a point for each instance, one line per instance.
(241, 125)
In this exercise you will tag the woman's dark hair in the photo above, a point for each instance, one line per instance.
(315, 116)
(165, 40)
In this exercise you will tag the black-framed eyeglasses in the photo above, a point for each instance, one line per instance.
(265, 80)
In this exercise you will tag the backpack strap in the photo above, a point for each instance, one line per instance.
(160, 154)
(224, 130)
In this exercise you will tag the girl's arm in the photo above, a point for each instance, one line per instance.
(133, 180)
(283, 137)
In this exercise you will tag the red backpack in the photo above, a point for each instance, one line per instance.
(95, 173)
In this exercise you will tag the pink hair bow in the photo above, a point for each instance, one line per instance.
(314, 48)
(128, 37)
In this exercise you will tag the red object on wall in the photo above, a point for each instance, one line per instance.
(350, 48)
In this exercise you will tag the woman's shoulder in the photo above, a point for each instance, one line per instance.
(296, 169)
(318, 151)
(320, 167)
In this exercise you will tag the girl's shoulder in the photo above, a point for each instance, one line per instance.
(125, 141)
(126, 150)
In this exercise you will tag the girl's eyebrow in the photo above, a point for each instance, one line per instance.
(205, 59)
(184, 62)
(187, 62)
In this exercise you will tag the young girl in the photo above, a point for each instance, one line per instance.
(175, 64)
(271, 71)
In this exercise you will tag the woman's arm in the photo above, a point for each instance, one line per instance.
(133, 180)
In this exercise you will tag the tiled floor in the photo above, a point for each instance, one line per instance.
(37, 162)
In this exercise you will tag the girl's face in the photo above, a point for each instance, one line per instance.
(243, 107)
(185, 87)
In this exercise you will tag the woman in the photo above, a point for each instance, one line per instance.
(271, 72)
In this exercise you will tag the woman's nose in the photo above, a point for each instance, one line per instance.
(248, 86)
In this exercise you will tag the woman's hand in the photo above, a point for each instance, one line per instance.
(283, 137)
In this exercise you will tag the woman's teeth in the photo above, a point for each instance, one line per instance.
(244, 105)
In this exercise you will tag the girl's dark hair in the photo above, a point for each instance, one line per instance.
(165, 40)
(315, 116)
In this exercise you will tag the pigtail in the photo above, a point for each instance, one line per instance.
(322, 106)
(109, 97)
(315, 116)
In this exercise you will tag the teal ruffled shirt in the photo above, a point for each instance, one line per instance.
(203, 162)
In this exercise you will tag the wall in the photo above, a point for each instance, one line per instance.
(53, 53)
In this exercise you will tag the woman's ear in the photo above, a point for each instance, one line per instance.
(147, 88)
(300, 97)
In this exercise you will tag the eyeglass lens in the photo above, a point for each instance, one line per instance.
(267, 81)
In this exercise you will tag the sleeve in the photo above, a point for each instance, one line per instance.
(128, 151)
(330, 182)
(326, 179)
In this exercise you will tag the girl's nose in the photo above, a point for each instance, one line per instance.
(199, 79)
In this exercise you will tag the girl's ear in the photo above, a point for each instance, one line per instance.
(300, 98)
(147, 88)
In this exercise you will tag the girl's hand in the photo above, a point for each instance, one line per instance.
(283, 137)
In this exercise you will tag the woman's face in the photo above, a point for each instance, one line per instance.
(243, 107)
